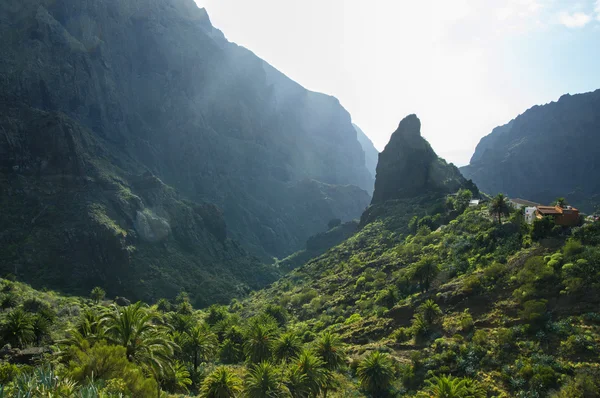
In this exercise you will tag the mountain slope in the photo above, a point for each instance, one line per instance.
(77, 212)
(547, 152)
(207, 117)
(504, 309)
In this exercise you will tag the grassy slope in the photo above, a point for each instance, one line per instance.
(509, 319)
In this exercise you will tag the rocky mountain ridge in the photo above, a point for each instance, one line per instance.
(547, 152)
(149, 142)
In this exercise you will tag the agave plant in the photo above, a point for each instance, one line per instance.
(43, 382)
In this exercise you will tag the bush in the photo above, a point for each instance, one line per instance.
(533, 311)
(353, 319)
(401, 335)
(106, 362)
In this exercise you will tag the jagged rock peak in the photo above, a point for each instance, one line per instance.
(409, 167)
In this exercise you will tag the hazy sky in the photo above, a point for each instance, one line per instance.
(463, 66)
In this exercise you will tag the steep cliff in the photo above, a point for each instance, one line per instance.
(547, 152)
(371, 153)
(409, 167)
(100, 98)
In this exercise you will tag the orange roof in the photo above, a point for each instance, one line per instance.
(549, 210)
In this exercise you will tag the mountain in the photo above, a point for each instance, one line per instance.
(409, 167)
(449, 302)
(371, 153)
(135, 140)
(547, 152)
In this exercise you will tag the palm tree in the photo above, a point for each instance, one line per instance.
(452, 387)
(90, 328)
(264, 381)
(259, 342)
(313, 370)
(330, 349)
(499, 207)
(146, 343)
(296, 383)
(18, 328)
(201, 343)
(180, 322)
(424, 271)
(221, 383)
(562, 202)
(376, 374)
(177, 379)
(287, 346)
(97, 294)
(430, 310)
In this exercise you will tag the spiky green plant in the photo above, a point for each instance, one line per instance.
(430, 310)
(18, 328)
(221, 383)
(376, 373)
(264, 381)
(147, 343)
(330, 349)
(287, 346)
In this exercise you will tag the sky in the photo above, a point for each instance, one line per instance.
(463, 66)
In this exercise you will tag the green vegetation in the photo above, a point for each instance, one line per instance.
(447, 303)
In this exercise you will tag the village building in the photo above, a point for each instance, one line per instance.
(566, 216)
(521, 203)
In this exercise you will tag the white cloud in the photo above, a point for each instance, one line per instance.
(574, 20)
(597, 9)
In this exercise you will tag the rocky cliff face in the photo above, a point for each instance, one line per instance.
(371, 153)
(121, 119)
(547, 152)
(409, 167)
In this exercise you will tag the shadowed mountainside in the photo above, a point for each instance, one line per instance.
(547, 152)
(121, 121)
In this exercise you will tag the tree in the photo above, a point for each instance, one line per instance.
(296, 383)
(562, 202)
(259, 342)
(376, 374)
(221, 383)
(18, 328)
(176, 379)
(463, 198)
(424, 271)
(313, 371)
(330, 349)
(452, 387)
(287, 346)
(201, 343)
(430, 310)
(146, 343)
(97, 294)
(264, 381)
(499, 207)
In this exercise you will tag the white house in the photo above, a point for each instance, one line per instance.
(530, 214)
